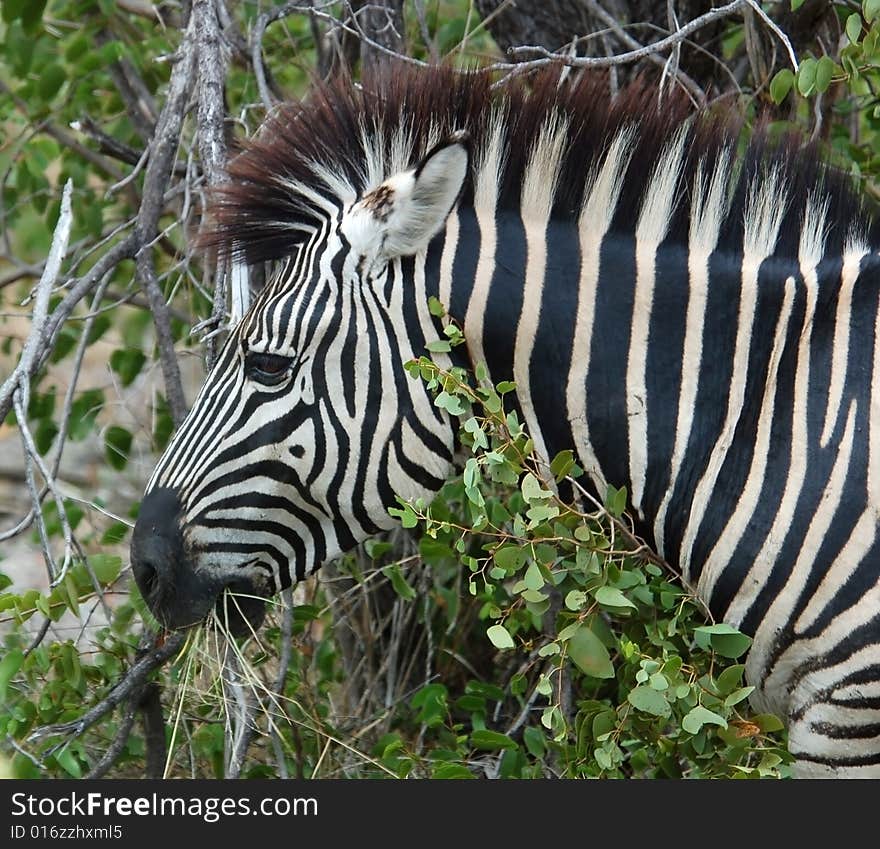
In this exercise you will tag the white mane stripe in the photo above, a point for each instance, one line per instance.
(654, 219)
(708, 212)
(600, 202)
(488, 172)
(763, 217)
(852, 259)
(538, 191)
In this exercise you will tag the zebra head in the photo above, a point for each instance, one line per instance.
(307, 425)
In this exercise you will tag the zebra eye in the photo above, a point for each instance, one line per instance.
(268, 369)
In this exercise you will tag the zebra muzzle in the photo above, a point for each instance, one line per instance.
(183, 587)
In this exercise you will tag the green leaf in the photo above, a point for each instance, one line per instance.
(699, 716)
(768, 722)
(83, 412)
(723, 639)
(127, 363)
(42, 604)
(824, 72)
(51, 79)
(68, 761)
(854, 28)
(532, 489)
(615, 500)
(870, 9)
(575, 600)
(117, 444)
(491, 740)
(533, 579)
(796, 4)
(100, 325)
(612, 597)
(435, 307)
(648, 700)
(450, 403)
(500, 637)
(541, 512)
(534, 740)
(32, 14)
(106, 567)
(806, 77)
(401, 587)
(738, 695)
(781, 85)
(658, 682)
(450, 771)
(509, 557)
(589, 654)
(438, 346)
(562, 464)
(72, 594)
(10, 664)
(45, 434)
(13, 9)
(729, 679)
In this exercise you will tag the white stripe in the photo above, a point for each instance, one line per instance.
(447, 258)
(817, 680)
(600, 202)
(654, 219)
(810, 250)
(538, 190)
(773, 685)
(748, 500)
(864, 534)
(809, 253)
(488, 178)
(765, 207)
(852, 257)
(708, 211)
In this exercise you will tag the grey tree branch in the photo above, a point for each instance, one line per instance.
(16, 388)
(637, 52)
(240, 727)
(158, 172)
(210, 124)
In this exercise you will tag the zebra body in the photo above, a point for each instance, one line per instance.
(700, 327)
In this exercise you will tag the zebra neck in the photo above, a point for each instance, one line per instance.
(661, 366)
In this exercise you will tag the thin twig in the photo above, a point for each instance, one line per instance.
(772, 25)
(114, 750)
(165, 142)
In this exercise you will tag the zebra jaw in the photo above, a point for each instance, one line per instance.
(241, 604)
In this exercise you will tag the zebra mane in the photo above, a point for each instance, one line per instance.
(541, 142)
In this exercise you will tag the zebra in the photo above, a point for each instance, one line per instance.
(697, 318)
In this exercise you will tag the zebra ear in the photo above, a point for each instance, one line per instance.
(410, 208)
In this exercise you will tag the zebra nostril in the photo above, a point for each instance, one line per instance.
(147, 577)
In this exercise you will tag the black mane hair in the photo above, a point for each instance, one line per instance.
(259, 214)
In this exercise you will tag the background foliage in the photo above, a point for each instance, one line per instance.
(500, 632)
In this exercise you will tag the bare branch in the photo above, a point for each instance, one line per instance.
(648, 51)
(240, 727)
(165, 142)
(210, 119)
(771, 24)
(114, 750)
